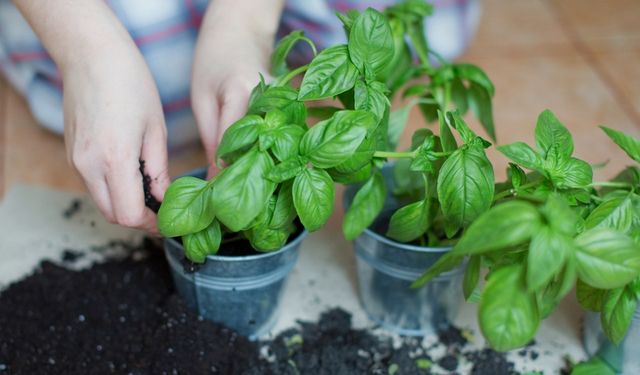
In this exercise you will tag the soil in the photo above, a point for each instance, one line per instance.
(74, 207)
(149, 200)
(123, 317)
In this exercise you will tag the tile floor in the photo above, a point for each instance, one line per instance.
(579, 58)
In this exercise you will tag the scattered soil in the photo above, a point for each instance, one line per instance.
(74, 207)
(149, 200)
(123, 317)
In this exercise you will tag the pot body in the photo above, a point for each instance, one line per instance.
(387, 268)
(241, 292)
(623, 358)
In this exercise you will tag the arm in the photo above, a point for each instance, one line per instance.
(234, 46)
(112, 111)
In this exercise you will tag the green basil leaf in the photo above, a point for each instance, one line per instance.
(505, 225)
(626, 142)
(607, 259)
(560, 216)
(242, 133)
(474, 74)
(283, 98)
(371, 42)
(399, 70)
(366, 205)
(333, 141)
(263, 238)
(455, 120)
(550, 133)
(524, 155)
(186, 207)
(329, 74)
(286, 141)
(371, 97)
(480, 103)
(471, 276)
(594, 366)
(446, 137)
(547, 253)
(516, 175)
(570, 173)
(409, 10)
(617, 312)
(348, 178)
(274, 119)
(550, 296)
(282, 49)
(465, 186)
(360, 158)
(313, 194)
(241, 190)
(445, 263)
(200, 244)
(348, 18)
(284, 212)
(508, 314)
(286, 170)
(459, 94)
(615, 213)
(590, 298)
(409, 222)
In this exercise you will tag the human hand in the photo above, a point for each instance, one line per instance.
(231, 53)
(114, 119)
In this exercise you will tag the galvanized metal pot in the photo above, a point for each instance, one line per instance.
(623, 358)
(387, 268)
(242, 292)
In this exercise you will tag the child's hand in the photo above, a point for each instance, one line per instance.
(113, 118)
(112, 112)
(234, 47)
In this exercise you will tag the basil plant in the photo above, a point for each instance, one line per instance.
(280, 172)
(551, 229)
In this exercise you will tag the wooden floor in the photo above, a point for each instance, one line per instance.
(579, 58)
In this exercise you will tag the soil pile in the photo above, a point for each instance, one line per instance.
(123, 317)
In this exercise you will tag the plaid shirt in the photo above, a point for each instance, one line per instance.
(166, 32)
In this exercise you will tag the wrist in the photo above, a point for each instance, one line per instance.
(245, 22)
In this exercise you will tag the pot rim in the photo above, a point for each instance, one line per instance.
(229, 258)
(404, 246)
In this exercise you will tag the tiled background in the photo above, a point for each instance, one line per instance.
(580, 58)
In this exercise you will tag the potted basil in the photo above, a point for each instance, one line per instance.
(403, 217)
(548, 230)
(280, 173)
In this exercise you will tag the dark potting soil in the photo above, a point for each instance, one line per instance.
(74, 207)
(123, 317)
(149, 200)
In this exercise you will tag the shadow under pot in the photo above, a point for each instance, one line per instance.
(386, 269)
(242, 292)
(623, 358)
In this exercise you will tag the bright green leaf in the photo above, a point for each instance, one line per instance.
(186, 207)
(366, 205)
(241, 190)
(607, 259)
(313, 194)
(205, 242)
(508, 314)
(505, 225)
(329, 74)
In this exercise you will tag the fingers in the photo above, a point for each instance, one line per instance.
(234, 106)
(206, 111)
(156, 164)
(127, 197)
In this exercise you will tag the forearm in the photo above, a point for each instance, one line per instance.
(256, 20)
(76, 32)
